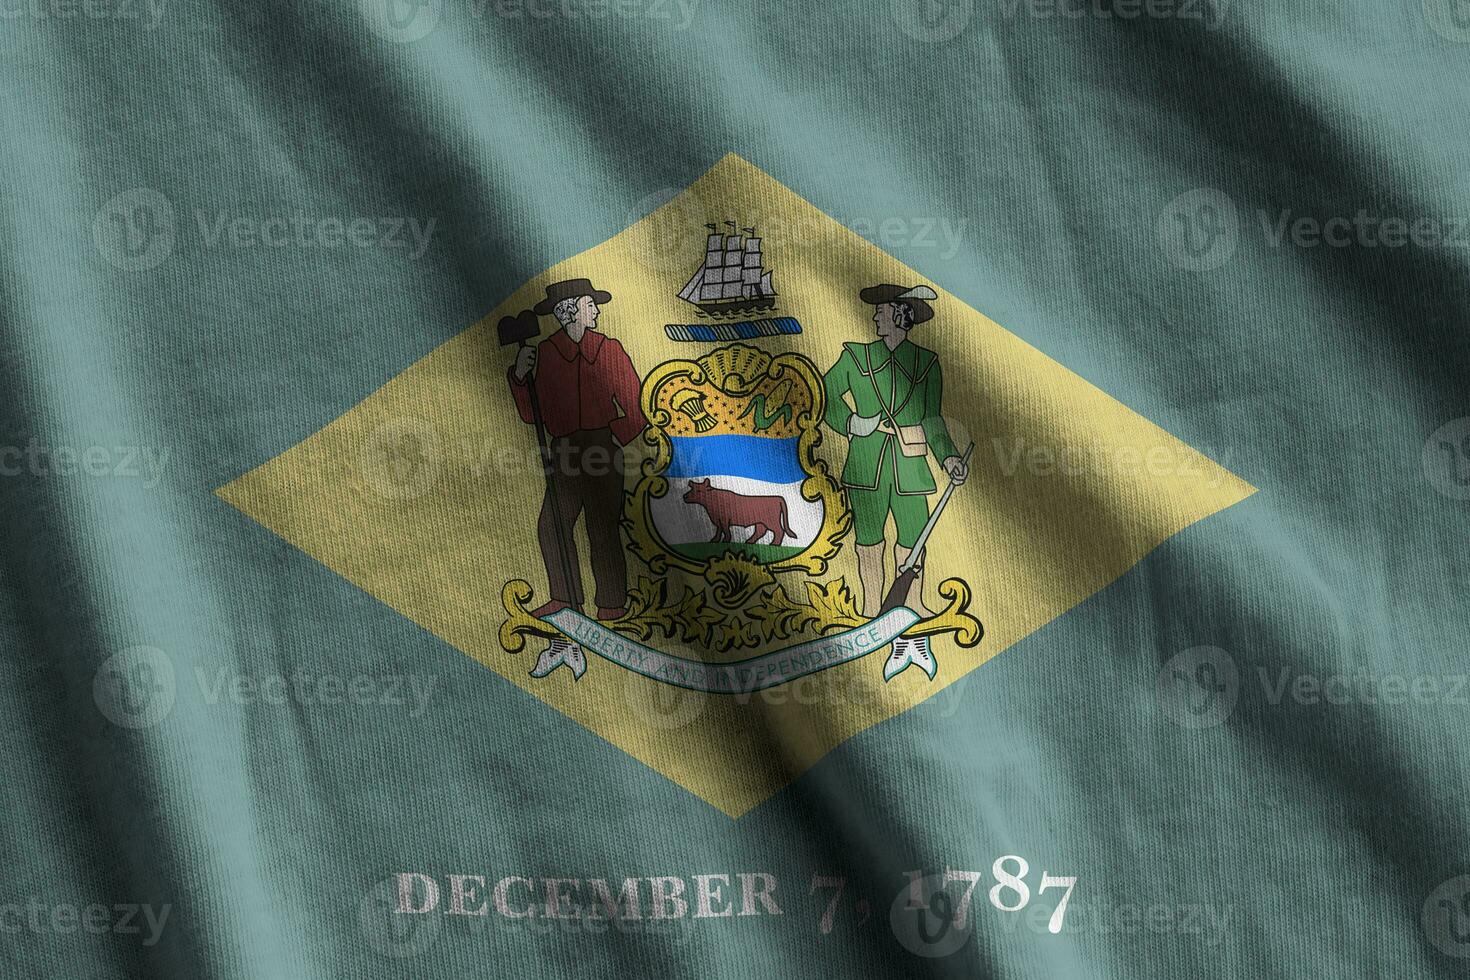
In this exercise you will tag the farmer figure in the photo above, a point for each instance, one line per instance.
(588, 396)
(886, 397)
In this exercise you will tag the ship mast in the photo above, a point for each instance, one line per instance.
(750, 271)
(733, 269)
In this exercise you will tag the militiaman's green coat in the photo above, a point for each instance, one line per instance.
(904, 386)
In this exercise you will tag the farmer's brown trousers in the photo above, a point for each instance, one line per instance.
(586, 470)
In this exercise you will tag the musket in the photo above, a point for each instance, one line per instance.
(911, 567)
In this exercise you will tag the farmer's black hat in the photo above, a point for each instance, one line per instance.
(569, 289)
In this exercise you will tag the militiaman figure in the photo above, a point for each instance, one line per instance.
(893, 422)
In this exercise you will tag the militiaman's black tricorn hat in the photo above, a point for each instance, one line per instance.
(915, 298)
(569, 289)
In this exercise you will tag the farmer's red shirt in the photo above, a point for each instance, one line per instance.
(591, 385)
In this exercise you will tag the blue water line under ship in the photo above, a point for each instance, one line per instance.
(732, 278)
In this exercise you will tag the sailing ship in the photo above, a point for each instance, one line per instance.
(732, 278)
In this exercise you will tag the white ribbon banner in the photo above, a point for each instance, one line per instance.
(741, 676)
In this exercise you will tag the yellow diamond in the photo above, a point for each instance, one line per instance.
(426, 494)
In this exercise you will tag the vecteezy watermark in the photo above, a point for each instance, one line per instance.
(311, 690)
(390, 933)
(299, 230)
(403, 458)
(664, 707)
(138, 688)
(670, 228)
(934, 21)
(1210, 13)
(926, 921)
(671, 932)
(139, 229)
(1208, 923)
(1445, 918)
(39, 459)
(1450, 19)
(135, 230)
(679, 14)
(669, 225)
(401, 21)
(669, 708)
(407, 914)
(1362, 687)
(1362, 230)
(943, 234)
(400, 459)
(550, 928)
(1017, 455)
(40, 917)
(1198, 688)
(1446, 459)
(1201, 687)
(1201, 229)
(148, 13)
(406, 21)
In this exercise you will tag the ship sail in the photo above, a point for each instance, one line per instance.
(730, 286)
(732, 275)
(711, 274)
(690, 292)
(750, 269)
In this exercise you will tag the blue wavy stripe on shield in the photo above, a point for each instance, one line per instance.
(753, 457)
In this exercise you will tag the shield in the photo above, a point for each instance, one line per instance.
(734, 470)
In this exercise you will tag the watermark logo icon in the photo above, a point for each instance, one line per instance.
(400, 459)
(932, 21)
(390, 932)
(1199, 230)
(676, 228)
(927, 919)
(136, 687)
(1446, 459)
(1446, 917)
(1199, 687)
(401, 21)
(662, 706)
(135, 230)
(1449, 18)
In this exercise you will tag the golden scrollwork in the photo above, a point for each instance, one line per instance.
(767, 613)
(519, 622)
(733, 579)
(954, 618)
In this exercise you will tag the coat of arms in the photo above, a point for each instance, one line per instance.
(733, 516)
